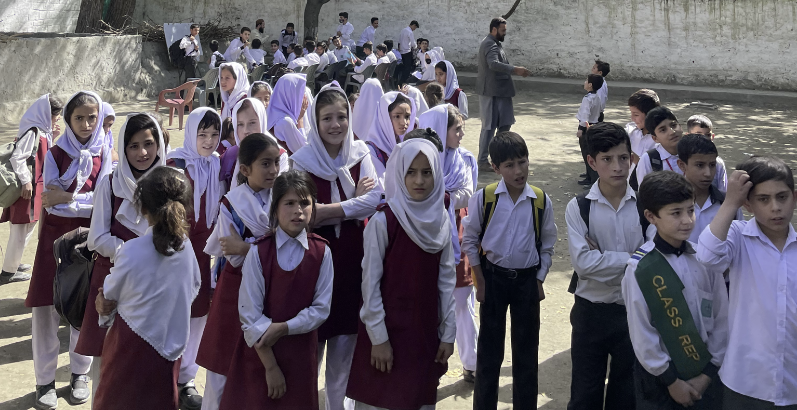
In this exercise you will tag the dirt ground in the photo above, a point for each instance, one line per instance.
(547, 122)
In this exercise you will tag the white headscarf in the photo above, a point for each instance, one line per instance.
(203, 170)
(425, 222)
(260, 110)
(417, 96)
(381, 133)
(286, 100)
(248, 207)
(238, 91)
(109, 112)
(124, 182)
(314, 158)
(440, 54)
(452, 83)
(364, 111)
(252, 88)
(39, 115)
(82, 162)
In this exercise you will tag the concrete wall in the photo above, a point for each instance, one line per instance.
(45, 16)
(733, 43)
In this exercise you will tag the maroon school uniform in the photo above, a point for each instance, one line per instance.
(53, 227)
(199, 235)
(454, 100)
(223, 328)
(410, 297)
(129, 357)
(92, 336)
(25, 211)
(288, 293)
(347, 256)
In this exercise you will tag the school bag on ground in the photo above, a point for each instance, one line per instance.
(74, 264)
(10, 187)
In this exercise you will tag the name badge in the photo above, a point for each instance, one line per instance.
(706, 307)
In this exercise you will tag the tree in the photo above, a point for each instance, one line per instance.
(311, 12)
(88, 20)
(120, 13)
(512, 10)
(115, 15)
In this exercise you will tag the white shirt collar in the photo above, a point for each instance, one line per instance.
(663, 152)
(283, 238)
(752, 229)
(527, 191)
(595, 194)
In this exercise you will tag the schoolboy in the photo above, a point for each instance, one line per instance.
(600, 246)
(217, 58)
(602, 69)
(256, 54)
(291, 52)
(677, 307)
(392, 55)
(666, 132)
(287, 36)
(279, 57)
(345, 30)
(361, 65)
(238, 46)
(700, 124)
(509, 238)
(381, 54)
(639, 104)
(588, 114)
(192, 49)
(367, 35)
(760, 367)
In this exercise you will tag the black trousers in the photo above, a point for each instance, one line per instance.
(736, 401)
(592, 175)
(652, 394)
(600, 330)
(408, 65)
(521, 296)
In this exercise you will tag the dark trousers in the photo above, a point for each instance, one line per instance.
(652, 394)
(592, 175)
(521, 296)
(484, 141)
(735, 401)
(408, 65)
(360, 53)
(600, 330)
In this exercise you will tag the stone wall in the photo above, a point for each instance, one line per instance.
(46, 16)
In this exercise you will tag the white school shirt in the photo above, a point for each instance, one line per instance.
(618, 233)
(590, 110)
(603, 93)
(291, 57)
(213, 57)
(298, 62)
(368, 35)
(704, 214)
(669, 162)
(258, 56)
(287, 39)
(382, 60)
(192, 48)
(406, 40)
(252, 293)
(279, 58)
(342, 53)
(222, 229)
(313, 58)
(323, 62)
(331, 57)
(509, 241)
(369, 61)
(721, 177)
(391, 56)
(700, 284)
(372, 313)
(346, 31)
(100, 238)
(81, 204)
(234, 51)
(762, 360)
(286, 130)
(639, 143)
(22, 151)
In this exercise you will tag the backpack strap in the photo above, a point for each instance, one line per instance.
(655, 159)
(490, 199)
(179, 162)
(539, 209)
(239, 224)
(584, 204)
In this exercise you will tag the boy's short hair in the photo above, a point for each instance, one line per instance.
(256, 43)
(424, 40)
(309, 45)
(343, 14)
(767, 168)
(277, 42)
(496, 23)
(389, 44)
(699, 121)
(214, 45)
(596, 81)
(644, 100)
(603, 67)
(507, 145)
(427, 134)
(335, 38)
(656, 116)
(604, 136)
(323, 45)
(289, 25)
(692, 144)
(245, 29)
(368, 45)
(662, 188)
(415, 23)
(373, 19)
(193, 26)
(382, 47)
(291, 46)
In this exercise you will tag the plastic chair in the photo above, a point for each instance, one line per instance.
(391, 85)
(310, 73)
(330, 71)
(380, 73)
(177, 103)
(350, 81)
(257, 73)
(206, 86)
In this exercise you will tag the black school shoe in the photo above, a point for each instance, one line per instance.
(9, 277)
(469, 376)
(189, 396)
(46, 398)
(80, 389)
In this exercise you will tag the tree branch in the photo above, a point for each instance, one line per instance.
(512, 10)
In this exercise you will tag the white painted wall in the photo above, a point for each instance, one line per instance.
(45, 16)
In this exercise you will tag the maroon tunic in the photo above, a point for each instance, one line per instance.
(25, 211)
(223, 328)
(464, 276)
(287, 294)
(454, 100)
(134, 375)
(199, 235)
(347, 256)
(282, 143)
(92, 335)
(53, 227)
(410, 299)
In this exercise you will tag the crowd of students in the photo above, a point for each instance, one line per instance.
(292, 228)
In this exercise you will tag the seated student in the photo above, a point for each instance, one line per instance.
(310, 52)
(217, 58)
(602, 68)
(446, 75)
(291, 52)
(639, 104)
(395, 116)
(285, 296)
(257, 54)
(143, 346)
(408, 326)
(666, 131)
(759, 370)
(287, 37)
(367, 35)
(700, 124)
(238, 46)
(600, 246)
(677, 307)
(381, 54)
(341, 51)
(428, 62)
(286, 112)
(329, 52)
(364, 115)
(323, 57)
(226, 137)
(510, 251)
(423, 48)
(361, 65)
(588, 114)
(392, 54)
(279, 57)
(262, 91)
(434, 94)
(298, 60)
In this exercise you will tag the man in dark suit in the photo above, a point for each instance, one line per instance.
(495, 87)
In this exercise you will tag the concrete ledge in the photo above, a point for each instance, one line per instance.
(665, 91)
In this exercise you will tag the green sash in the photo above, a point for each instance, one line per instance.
(663, 292)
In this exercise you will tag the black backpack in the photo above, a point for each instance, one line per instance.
(177, 54)
(74, 264)
(655, 165)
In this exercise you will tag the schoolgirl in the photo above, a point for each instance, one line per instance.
(286, 112)
(262, 91)
(395, 117)
(234, 85)
(446, 75)
(364, 114)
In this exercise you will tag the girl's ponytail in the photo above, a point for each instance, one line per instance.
(164, 196)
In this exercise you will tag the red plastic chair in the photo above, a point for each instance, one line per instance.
(178, 103)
